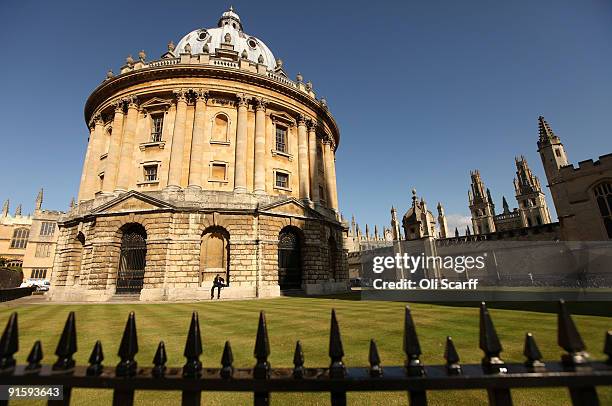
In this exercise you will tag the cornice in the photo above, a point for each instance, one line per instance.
(107, 89)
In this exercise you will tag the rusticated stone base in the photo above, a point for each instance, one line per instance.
(174, 223)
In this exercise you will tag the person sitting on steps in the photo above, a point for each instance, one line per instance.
(218, 283)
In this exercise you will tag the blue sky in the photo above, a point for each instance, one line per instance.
(423, 91)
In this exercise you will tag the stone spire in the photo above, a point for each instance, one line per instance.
(481, 205)
(505, 204)
(395, 225)
(375, 232)
(546, 133)
(18, 211)
(467, 230)
(5, 208)
(525, 182)
(442, 222)
(72, 204)
(456, 232)
(367, 230)
(39, 200)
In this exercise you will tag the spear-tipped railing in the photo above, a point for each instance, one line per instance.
(575, 370)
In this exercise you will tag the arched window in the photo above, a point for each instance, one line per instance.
(603, 194)
(20, 238)
(220, 128)
(79, 257)
(214, 254)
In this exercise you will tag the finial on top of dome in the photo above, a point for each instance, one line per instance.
(129, 60)
(299, 78)
(244, 54)
(260, 59)
(231, 8)
(414, 196)
(171, 46)
(142, 55)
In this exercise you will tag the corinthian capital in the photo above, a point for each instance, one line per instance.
(261, 104)
(118, 105)
(243, 99)
(312, 125)
(201, 94)
(301, 120)
(181, 95)
(132, 102)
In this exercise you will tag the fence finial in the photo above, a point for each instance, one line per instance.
(193, 349)
(227, 360)
(9, 343)
(569, 338)
(490, 344)
(412, 348)
(67, 345)
(159, 361)
(336, 351)
(374, 359)
(95, 360)
(262, 349)
(298, 361)
(35, 356)
(532, 353)
(128, 349)
(608, 346)
(452, 357)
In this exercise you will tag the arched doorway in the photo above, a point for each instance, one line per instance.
(289, 260)
(132, 260)
(214, 255)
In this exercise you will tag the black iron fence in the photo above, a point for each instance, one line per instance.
(15, 293)
(574, 371)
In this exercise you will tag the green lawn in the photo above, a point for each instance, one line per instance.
(306, 319)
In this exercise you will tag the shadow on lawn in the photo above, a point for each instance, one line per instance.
(595, 308)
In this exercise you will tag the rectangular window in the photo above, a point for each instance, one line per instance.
(218, 171)
(47, 228)
(43, 250)
(156, 129)
(281, 139)
(282, 180)
(39, 274)
(150, 173)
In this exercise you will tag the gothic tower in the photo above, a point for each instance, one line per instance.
(481, 206)
(442, 222)
(531, 200)
(553, 157)
(395, 226)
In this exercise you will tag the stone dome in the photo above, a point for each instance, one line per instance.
(229, 23)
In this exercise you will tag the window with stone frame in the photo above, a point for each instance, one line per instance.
(157, 126)
(218, 171)
(38, 273)
(47, 228)
(150, 173)
(20, 238)
(43, 250)
(281, 180)
(603, 195)
(281, 139)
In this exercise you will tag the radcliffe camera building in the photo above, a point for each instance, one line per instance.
(209, 161)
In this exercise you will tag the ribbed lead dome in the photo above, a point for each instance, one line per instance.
(229, 23)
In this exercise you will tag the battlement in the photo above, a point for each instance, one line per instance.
(550, 232)
(604, 162)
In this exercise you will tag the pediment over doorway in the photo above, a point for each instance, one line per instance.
(132, 202)
(291, 206)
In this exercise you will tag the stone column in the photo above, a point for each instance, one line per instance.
(178, 140)
(126, 164)
(86, 174)
(312, 154)
(96, 141)
(303, 170)
(197, 141)
(260, 147)
(329, 173)
(240, 176)
(114, 149)
(334, 193)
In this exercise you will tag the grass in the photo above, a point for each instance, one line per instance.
(306, 319)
